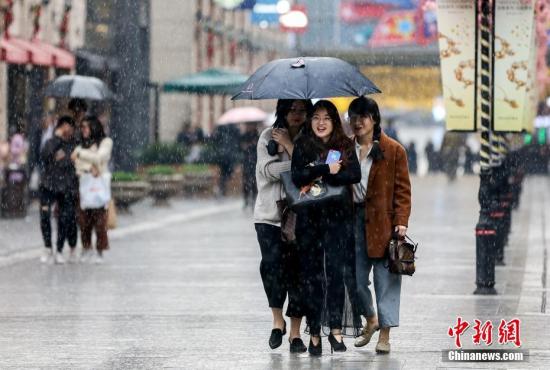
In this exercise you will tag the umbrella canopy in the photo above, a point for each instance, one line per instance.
(242, 115)
(306, 78)
(75, 86)
(210, 82)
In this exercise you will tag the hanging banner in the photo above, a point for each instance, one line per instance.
(513, 70)
(456, 21)
(530, 113)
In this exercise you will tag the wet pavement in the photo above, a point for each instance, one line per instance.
(181, 289)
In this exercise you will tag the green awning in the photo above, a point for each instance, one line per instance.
(210, 82)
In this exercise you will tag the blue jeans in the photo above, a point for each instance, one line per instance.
(387, 286)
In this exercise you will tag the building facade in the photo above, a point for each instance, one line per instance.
(196, 37)
(37, 37)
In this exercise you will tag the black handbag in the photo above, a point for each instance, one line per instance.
(318, 193)
(401, 256)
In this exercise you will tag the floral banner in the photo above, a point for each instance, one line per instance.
(456, 21)
(514, 68)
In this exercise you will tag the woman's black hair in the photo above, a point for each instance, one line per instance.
(283, 108)
(97, 133)
(338, 139)
(367, 107)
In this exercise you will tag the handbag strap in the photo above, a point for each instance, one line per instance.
(415, 244)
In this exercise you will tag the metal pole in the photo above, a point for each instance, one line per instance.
(485, 230)
(130, 120)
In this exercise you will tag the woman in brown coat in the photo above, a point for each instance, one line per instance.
(382, 207)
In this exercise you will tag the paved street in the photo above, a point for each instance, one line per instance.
(181, 289)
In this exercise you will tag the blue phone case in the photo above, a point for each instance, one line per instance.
(333, 156)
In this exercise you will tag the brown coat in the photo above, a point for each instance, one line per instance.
(388, 199)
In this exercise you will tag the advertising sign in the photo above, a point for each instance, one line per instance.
(513, 67)
(456, 21)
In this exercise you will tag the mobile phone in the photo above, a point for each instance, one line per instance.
(333, 156)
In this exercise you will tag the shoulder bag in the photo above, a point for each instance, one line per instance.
(401, 255)
(317, 193)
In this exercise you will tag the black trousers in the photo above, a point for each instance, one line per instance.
(279, 270)
(325, 244)
(66, 223)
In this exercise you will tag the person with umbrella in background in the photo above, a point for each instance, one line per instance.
(78, 108)
(278, 267)
(59, 184)
(91, 158)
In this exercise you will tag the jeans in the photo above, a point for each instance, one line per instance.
(66, 222)
(387, 286)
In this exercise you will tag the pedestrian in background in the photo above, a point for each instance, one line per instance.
(92, 156)
(249, 141)
(78, 108)
(382, 207)
(278, 267)
(431, 157)
(324, 241)
(59, 185)
(412, 158)
(225, 141)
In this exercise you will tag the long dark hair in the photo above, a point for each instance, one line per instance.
(367, 107)
(97, 133)
(338, 139)
(283, 108)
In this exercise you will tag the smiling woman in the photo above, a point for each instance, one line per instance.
(327, 265)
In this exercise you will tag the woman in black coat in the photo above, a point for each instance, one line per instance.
(324, 239)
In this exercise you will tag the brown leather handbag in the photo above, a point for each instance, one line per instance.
(401, 255)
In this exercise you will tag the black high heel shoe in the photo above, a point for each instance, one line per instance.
(276, 338)
(335, 345)
(315, 350)
(297, 346)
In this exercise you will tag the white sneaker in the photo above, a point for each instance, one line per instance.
(46, 255)
(59, 258)
(73, 258)
(86, 255)
(98, 259)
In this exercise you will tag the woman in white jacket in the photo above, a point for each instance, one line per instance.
(92, 156)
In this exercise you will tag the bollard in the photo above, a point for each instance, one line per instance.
(485, 259)
(485, 240)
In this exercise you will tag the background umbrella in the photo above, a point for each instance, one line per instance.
(306, 78)
(242, 115)
(75, 86)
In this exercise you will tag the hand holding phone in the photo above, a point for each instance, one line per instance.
(333, 156)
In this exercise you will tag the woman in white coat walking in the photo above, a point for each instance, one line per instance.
(92, 157)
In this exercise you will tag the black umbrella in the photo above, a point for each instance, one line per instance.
(75, 86)
(306, 78)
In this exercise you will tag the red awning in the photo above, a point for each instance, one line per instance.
(37, 55)
(61, 58)
(11, 53)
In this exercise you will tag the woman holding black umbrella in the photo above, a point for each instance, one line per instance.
(324, 240)
(275, 148)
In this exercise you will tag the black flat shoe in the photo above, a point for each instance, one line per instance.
(297, 346)
(276, 338)
(335, 345)
(315, 350)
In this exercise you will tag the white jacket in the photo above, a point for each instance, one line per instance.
(268, 179)
(98, 156)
